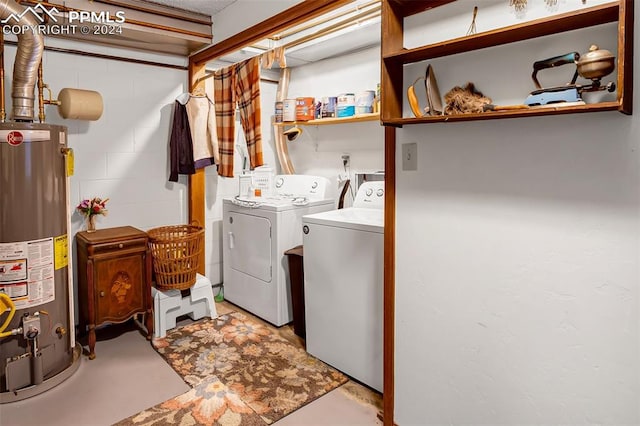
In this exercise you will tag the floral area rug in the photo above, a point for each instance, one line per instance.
(242, 373)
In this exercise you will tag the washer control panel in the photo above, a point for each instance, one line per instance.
(370, 195)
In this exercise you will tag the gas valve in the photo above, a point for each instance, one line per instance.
(31, 326)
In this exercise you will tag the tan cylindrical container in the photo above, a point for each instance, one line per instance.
(78, 104)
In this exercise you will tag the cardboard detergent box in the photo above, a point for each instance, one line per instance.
(305, 109)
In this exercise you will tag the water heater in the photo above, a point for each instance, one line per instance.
(37, 347)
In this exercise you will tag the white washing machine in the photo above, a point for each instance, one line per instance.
(343, 284)
(256, 233)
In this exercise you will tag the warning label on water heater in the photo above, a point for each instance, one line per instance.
(26, 272)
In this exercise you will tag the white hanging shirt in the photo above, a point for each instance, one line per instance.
(202, 122)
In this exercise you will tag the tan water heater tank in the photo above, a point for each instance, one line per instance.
(78, 104)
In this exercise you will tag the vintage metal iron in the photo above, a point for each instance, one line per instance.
(593, 65)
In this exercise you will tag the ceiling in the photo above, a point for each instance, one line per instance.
(347, 29)
(206, 7)
(361, 36)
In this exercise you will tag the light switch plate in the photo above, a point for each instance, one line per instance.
(410, 156)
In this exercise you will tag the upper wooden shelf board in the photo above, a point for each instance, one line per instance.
(532, 112)
(411, 7)
(338, 120)
(574, 20)
(395, 57)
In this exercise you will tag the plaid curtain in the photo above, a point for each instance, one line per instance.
(238, 84)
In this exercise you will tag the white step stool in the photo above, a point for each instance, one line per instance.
(169, 305)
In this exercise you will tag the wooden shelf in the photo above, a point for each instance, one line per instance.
(395, 56)
(339, 120)
(491, 115)
(596, 15)
(412, 7)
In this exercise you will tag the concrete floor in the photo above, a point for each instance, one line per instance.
(128, 376)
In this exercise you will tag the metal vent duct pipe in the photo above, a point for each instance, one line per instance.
(28, 56)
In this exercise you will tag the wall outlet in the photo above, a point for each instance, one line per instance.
(346, 160)
(410, 156)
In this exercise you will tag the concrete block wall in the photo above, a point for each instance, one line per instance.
(123, 155)
(319, 150)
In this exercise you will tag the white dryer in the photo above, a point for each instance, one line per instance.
(343, 284)
(256, 233)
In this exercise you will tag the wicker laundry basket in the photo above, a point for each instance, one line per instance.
(176, 255)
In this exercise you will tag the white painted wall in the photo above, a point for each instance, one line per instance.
(518, 261)
(124, 155)
(319, 149)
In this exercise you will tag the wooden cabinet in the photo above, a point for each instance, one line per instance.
(114, 279)
(395, 56)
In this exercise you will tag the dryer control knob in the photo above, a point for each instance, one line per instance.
(314, 185)
(369, 192)
(380, 192)
(279, 182)
(305, 229)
